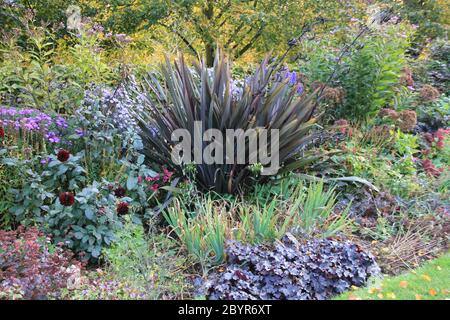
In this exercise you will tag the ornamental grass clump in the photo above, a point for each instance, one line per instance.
(186, 96)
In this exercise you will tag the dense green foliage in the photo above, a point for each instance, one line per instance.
(94, 206)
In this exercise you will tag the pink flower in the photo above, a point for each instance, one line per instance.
(167, 175)
(155, 178)
(154, 187)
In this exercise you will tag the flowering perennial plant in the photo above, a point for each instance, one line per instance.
(33, 121)
(116, 104)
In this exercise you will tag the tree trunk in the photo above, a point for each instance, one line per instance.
(209, 52)
(208, 11)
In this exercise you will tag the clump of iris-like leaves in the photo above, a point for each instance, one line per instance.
(316, 269)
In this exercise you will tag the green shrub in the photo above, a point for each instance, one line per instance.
(148, 262)
(29, 77)
(43, 74)
(88, 225)
(436, 114)
(371, 76)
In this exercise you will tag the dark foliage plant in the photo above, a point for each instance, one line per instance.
(315, 269)
(187, 95)
(32, 268)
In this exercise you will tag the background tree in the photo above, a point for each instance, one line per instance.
(236, 24)
(431, 18)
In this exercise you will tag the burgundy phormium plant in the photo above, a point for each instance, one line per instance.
(194, 94)
(63, 155)
(67, 199)
(122, 208)
(2, 133)
(120, 192)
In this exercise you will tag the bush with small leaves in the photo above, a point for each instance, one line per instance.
(32, 268)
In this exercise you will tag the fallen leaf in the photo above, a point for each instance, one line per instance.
(391, 295)
(439, 268)
(372, 290)
(354, 298)
(418, 297)
(403, 284)
(432, 292)
(426, 277)
(380, 295)
(444, 292)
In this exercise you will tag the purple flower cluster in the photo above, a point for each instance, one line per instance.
(117, 105)
(33, 120)
(293, 79)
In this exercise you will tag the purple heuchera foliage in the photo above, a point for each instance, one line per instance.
(35, 121)
(313, 270)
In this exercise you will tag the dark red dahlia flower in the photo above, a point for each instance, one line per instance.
(63, 155)
(67, 198)
(122, 208)
(119, 192)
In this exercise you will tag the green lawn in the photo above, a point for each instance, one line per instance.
(429, 282)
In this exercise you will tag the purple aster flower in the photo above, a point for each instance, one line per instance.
(79, 132)
(53, 137)
(61, 122)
